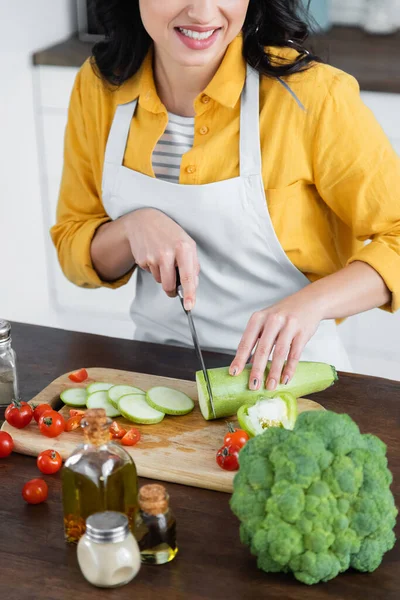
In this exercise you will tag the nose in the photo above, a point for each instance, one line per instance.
(202, 12)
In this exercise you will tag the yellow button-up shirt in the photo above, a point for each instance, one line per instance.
(331, 177)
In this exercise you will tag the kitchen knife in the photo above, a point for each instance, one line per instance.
(179, 291)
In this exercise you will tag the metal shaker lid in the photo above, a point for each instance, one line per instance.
(5, 330)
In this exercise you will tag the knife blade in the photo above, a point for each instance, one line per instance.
(179, 291)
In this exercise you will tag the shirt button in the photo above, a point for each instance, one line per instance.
(205, 99)
(190, 169)
(203, 130)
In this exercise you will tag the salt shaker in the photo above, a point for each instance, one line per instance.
(8, 369)
(108, 554)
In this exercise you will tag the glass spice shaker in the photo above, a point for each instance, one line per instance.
(155, 526)
(108, 554)
(9, 389)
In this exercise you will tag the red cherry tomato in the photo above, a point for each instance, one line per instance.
(117, 432)
(227, 457)
(131, 438)
(237, 437)
(39, 409)
(49, 462)
(6, 444)
(73, 423)
(35, 491)
(51, 423)
(79, 376)
(19, 414)
(74, 412)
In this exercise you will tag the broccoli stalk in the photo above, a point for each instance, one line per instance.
(316, 500)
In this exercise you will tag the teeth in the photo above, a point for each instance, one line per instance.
(196, 35)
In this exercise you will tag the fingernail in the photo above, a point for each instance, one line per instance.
(254, 384)
(286, 380)
(188, 305)
(234, 371)
(271, 384)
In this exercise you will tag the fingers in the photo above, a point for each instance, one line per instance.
(295, 353)
(283, 345)
(247, 343)
(168, 273)
(271, 331)
(186, 258)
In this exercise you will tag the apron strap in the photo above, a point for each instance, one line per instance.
(119, 132)
(250, 148)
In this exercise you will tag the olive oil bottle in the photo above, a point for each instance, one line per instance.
(98, 476)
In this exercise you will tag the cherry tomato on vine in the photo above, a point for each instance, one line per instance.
(131, 438)
(39, 409)
(49, 462)
(35, 491)
(19, 414)
(227, 457)
(6, 444)
(78, 376)
(51, 423)
(237, 437)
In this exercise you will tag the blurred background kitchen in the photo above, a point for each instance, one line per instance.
(42, 46)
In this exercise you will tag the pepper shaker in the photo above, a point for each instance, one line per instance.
(9, 389)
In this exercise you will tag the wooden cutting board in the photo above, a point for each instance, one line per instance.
(179, 449)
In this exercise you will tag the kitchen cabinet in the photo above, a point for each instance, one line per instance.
(371, 338)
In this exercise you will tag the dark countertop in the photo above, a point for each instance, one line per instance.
(212, 563)
(373, 60)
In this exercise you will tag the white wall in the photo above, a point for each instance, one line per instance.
(26, 26)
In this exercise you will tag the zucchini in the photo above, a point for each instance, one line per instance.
(74, 396)
(229, 392)
(117, 391)
(100, 400)
(135, 408)
(280, 411)
(169, 401)
(98, 386)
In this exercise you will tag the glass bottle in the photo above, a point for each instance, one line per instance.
(108, 554)
(155, 526)
(8, 369)
(98, 476)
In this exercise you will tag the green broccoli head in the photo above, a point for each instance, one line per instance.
(316, 500)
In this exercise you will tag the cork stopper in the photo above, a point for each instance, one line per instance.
(153, 499)
(96, 426)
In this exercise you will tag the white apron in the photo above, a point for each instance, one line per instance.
(243, 265)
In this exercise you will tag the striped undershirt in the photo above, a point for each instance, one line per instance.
(176, 140)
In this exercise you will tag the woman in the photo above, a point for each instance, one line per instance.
(203, 136)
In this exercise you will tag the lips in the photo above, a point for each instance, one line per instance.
(197, 38)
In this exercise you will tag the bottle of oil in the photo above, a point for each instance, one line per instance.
(155, 526)
(99, 476)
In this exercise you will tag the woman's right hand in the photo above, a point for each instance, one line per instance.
(159, 245)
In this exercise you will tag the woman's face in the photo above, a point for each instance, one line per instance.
(193, 33)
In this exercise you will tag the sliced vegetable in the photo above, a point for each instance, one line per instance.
(73, 423)
(6, 444)
(238, 437)
(131, 438)
(49, 462)
(169, 401)
(75, 412)
(280, 411)
(117, 432)
(51, 423)
(231, 392)
(19, 414)
(135, 408)
(78, 376)
(98, 386)
(35, 491)
(227, 457)
(39, 409)
(100, 400)
(74, 397)
(117, 391)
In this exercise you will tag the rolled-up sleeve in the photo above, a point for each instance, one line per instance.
(80, 211)
(357, 174)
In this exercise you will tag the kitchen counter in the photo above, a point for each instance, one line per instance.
(372, 59)
(212, 564)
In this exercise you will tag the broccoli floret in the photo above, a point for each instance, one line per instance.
(316, 500)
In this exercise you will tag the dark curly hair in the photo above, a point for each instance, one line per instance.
(267, 23)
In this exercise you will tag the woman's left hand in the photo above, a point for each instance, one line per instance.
(285, 327)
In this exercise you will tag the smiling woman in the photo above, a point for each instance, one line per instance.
(204, 137)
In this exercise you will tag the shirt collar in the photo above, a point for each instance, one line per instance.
(225, 87)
